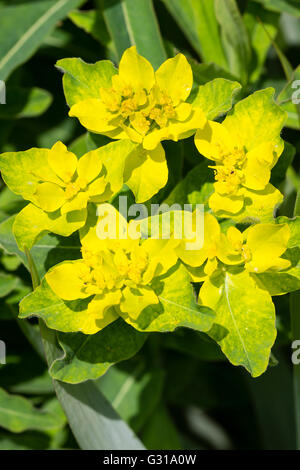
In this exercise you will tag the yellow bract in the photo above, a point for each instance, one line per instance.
(142, 105)
(115, 273)
(258, 249)
(68, 183)
(236, 168)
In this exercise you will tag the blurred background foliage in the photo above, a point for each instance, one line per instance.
(179, 392)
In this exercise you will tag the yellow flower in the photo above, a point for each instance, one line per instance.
(209, 250)
(257, 249)
(66, 183)
(236, 168)
(142, 105)
(115, 273)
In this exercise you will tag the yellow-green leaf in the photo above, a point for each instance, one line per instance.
(216, 97)
(177, 306)
(245, 319)
(82, 81)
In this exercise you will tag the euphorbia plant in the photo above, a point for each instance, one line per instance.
(126, 289)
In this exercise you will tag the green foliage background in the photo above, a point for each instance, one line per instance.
(179, 391)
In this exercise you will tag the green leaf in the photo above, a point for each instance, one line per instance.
(17, 415)
(90, 356)
(32, 222)
(288, 6)
(145, 172)
(82, 81)
(92, 22)
(260, 206)
(245, 319)
(10, 203)
(279, 283)
(25, 103)
(47, 252)
(36, 385)
(282, 282)
(95, 424)
(260, 32)
(235, 38)
(134, 389)
(216, 97)
(129, 26)
(8, 283)
(34, 20)
(177, 306)
(247, 120)
(199, 24)
(65, 316)
(25, 441)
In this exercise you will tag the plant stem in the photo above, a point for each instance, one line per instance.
(295, 325)
(32, 268)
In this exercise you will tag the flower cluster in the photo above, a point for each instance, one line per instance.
(257, 249)
(142, 105)
(147, 282)
(113, 272)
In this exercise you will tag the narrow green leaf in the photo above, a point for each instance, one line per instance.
(8, 283)
(235, 38)
(286, 66)
(129, 26)
(17, 415)
(198, 22)
(34, 20)
(92, 22)
(288, 6)
(261, 35)
(25, 103)
(95, 424)
(134, 389)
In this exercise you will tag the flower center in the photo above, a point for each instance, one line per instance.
(229, 173)
(72, 189)
(112, 269)
(246, 253)
(139, 110)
